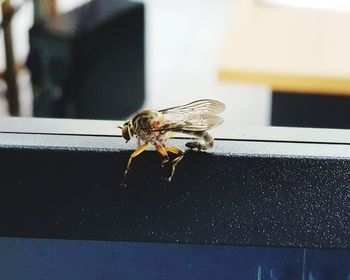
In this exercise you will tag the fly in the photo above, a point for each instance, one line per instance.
(155, 127)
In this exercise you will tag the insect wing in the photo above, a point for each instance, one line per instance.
(204, 106)
(196, 116)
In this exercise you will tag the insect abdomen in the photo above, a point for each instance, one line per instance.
(207, 144)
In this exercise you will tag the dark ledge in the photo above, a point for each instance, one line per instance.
(61, 179)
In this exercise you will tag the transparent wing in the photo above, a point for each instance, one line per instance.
(204, 106)
(196, 116)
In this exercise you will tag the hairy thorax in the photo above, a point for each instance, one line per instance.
(147, 126)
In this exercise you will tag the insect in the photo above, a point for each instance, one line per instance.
(155, 127)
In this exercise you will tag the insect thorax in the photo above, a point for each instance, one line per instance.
(145, 126)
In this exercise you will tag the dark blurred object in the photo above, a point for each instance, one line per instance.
(89, 63)
(10, 75)
(310, 110)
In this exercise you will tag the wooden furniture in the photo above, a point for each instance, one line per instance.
(10, 74)
(46, 10)
(293, 51)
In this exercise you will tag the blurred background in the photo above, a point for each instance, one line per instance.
(272, 62)
(183, 43)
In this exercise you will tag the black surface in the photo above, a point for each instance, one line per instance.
(310, 110)
(221, 197)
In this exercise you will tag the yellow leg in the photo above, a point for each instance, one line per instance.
(160, 149)
(180, 155)
(138, 151)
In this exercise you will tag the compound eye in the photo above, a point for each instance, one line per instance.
(125, 133)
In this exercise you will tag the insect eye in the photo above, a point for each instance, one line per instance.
(125, 133)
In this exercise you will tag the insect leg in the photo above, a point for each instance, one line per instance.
(208, 141)
(160, 149)
(180, 155)
(138, 151)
